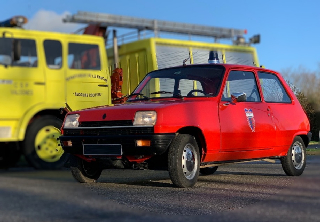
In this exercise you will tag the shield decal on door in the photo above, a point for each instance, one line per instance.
(250, 118)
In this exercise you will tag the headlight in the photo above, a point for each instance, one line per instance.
(71, 121)
(145, 118)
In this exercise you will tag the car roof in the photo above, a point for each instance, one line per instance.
(228, 66)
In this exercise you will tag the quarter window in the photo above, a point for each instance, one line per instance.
(241, 82)
(83, 56)
(272, 89)
(53, 52)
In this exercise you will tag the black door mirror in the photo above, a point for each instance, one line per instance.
(16, 49)
(238, 97)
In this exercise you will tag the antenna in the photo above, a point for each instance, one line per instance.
(185, 60)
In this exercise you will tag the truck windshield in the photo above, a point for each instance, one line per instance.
(28, 56)
(188, 81)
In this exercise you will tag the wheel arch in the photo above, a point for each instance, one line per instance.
(32, 115)
(198, 135)
(305, 139)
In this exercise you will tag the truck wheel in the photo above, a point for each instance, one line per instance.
(9, 155)
(208, 170)
(41, 146)
(183, 161)
(294, 162)
(85, 172)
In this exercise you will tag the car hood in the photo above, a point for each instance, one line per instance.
(127, 111)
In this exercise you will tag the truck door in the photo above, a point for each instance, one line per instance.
(55, 71)
(22, 84)
(245, 125)
(87, 80)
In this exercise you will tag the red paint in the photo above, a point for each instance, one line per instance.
(225, 126)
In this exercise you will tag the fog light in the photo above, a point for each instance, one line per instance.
(143, 142)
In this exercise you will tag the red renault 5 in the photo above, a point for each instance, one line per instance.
(190, 120)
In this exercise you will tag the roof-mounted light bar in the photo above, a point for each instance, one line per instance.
(16, 21)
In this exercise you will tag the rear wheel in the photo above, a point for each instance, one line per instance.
(83, 171)
(41, 147)
(294, 162)
(208, 170)
(183, 161)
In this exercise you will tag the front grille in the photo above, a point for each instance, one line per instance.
(109, 131)
(106, 123)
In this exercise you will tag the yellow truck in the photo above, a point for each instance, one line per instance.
(42, 72)
(39, 73)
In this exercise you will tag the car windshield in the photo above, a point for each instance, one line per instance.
(187, 81)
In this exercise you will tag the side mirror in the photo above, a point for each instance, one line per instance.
(238, 97)
(16, 49)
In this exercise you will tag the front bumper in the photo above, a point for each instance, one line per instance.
(109, 144)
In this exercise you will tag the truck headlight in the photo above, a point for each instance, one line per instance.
(145, 118)
(71, 121)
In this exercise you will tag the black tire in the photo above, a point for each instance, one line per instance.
(41, 148)
(208, 170)
(85, 172)
(294, 162)
(9, 155)
(184, 161)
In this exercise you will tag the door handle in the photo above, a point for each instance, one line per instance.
(39, 83)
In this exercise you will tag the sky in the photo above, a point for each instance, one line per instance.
(289, 29)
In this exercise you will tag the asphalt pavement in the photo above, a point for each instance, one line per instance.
(258, 191)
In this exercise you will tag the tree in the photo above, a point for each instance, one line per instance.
(309, 107)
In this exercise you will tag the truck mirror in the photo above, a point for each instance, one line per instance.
(16, 49)
(6, 51)
(238, 97)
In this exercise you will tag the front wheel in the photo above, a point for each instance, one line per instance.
(184, 161)
(83, 171)
(294, 162)
(41, 147)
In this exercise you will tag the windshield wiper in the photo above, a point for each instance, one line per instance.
(161, 92)
(139, 94)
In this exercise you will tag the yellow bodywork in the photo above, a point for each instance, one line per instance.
(27, 91)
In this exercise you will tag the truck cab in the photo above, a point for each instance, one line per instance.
(41, 72)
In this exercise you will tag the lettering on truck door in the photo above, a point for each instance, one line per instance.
(87, 79)
(22, 83)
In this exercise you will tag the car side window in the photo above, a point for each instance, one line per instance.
(53, 53)
(241, 82)
(272, 89)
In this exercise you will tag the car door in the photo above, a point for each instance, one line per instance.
(279, 103)
(245, 123)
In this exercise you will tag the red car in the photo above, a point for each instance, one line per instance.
(190, 120)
